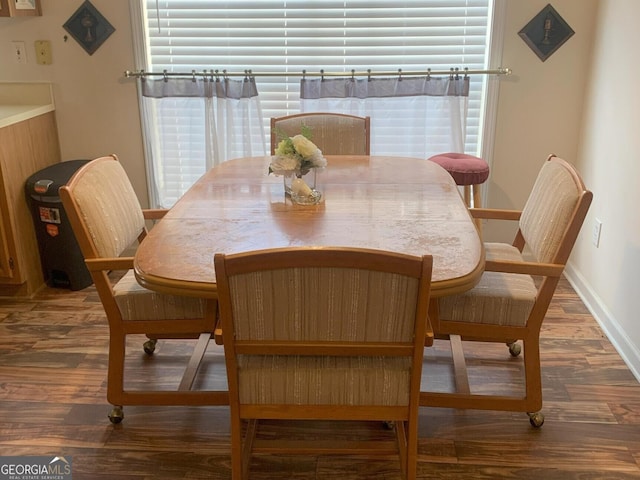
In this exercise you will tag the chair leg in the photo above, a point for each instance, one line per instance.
(237, 470)
(477, 198)
(533, 376)
(247, 446)
(472, 198)
(115, 374)
(533, 380)
(401, 439)
(407, 439)
(115, 381)
(477, 203)
(467, 195)
(459, 365)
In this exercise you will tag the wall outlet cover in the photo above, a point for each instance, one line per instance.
(43, 52)
(19, 51)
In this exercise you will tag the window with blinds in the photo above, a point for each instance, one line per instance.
(285, 37)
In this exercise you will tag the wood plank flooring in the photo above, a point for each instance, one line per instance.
(53, 357)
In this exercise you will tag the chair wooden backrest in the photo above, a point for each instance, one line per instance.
(329, 333)
(333, 133)
(554, 212)
(549, 225)
(106, 217)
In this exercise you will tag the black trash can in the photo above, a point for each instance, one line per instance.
(62, 262)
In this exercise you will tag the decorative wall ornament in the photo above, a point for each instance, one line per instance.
(88, 27)
(546, 32)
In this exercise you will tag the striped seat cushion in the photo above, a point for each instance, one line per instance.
(498, 299)
(312, 380)
(138, 303)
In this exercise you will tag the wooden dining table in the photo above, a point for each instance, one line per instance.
(406, 205)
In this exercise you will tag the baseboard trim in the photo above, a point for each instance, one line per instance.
(612, 329)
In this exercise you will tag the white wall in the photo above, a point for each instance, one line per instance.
(577, 104)
(609, 157)
(540, 105)
(96, 108)
(580, 104)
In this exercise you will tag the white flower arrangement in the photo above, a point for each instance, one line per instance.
(297, 155)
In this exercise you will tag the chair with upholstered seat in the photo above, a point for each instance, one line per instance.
(511, 300)
(333, 133)
(323, 334)
(468, 171)
(107, 219)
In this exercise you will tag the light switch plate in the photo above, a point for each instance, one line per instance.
(20, 55)
(43, 52)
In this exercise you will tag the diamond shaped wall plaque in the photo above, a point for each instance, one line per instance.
(546, 32)
(88, 27)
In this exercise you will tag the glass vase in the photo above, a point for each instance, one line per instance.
(303, 188)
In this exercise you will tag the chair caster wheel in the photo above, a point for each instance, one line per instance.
(150, 346)
(514, 349)
(536, 419)
(116, 415)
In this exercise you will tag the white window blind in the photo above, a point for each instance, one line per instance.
(281, 36)
(288, 36)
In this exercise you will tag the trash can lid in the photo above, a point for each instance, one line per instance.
(47, 181)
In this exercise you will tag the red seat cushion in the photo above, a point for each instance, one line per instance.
(465, 169)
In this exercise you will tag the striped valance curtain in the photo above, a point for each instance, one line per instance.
(362, 88)
(193, 124)
(198, 87)
(412, 116)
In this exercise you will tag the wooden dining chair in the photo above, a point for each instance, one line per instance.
(333, 133)
(107, 219)
(511, 300)
(323, 334)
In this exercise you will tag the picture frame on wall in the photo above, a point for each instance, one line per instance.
(19, 8)
(546, 32)
(89, 27)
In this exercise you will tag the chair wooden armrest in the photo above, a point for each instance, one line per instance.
(101, 264)
(527, 268)
(495, 214)
(154, 213)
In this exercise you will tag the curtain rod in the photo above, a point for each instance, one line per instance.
(321, 73)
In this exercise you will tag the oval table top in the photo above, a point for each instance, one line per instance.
(407, 205)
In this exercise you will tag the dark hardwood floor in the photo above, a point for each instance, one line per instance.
(53, 357)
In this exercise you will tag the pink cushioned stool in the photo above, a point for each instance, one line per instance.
(467, 171)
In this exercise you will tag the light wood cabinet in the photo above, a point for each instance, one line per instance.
(25, 148)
